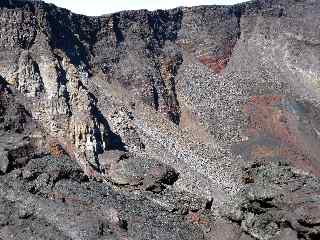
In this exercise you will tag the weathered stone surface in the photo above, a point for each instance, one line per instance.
(190, 123)
(277, 205)
(287, 234)
(123, 169)
(224, 230)
(4, 161)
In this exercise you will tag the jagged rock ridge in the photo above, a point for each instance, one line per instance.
(190, 123)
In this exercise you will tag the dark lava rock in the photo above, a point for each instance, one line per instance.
(279, 204)
(82, 209)
(123, 169)
(158, 176)
(190, 123)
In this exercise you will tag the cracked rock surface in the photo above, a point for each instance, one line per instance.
(190, 123)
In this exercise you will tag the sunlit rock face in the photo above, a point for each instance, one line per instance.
(52, 83)
(190, 123)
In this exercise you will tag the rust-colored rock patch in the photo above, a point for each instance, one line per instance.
(281, 129)
(217, 63)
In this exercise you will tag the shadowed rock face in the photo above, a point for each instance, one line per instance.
(190, 123)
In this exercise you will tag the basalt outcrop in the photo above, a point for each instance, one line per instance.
(189, 123)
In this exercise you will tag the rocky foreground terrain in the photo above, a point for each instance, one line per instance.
(190, 123)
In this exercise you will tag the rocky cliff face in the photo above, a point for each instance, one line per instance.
(190, 123)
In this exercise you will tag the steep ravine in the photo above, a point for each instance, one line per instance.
(189, 123)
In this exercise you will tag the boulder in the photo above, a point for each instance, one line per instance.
(4, 161)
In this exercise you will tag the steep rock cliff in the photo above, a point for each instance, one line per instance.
(190, 123)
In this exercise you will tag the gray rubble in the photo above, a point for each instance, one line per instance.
(189, 123)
